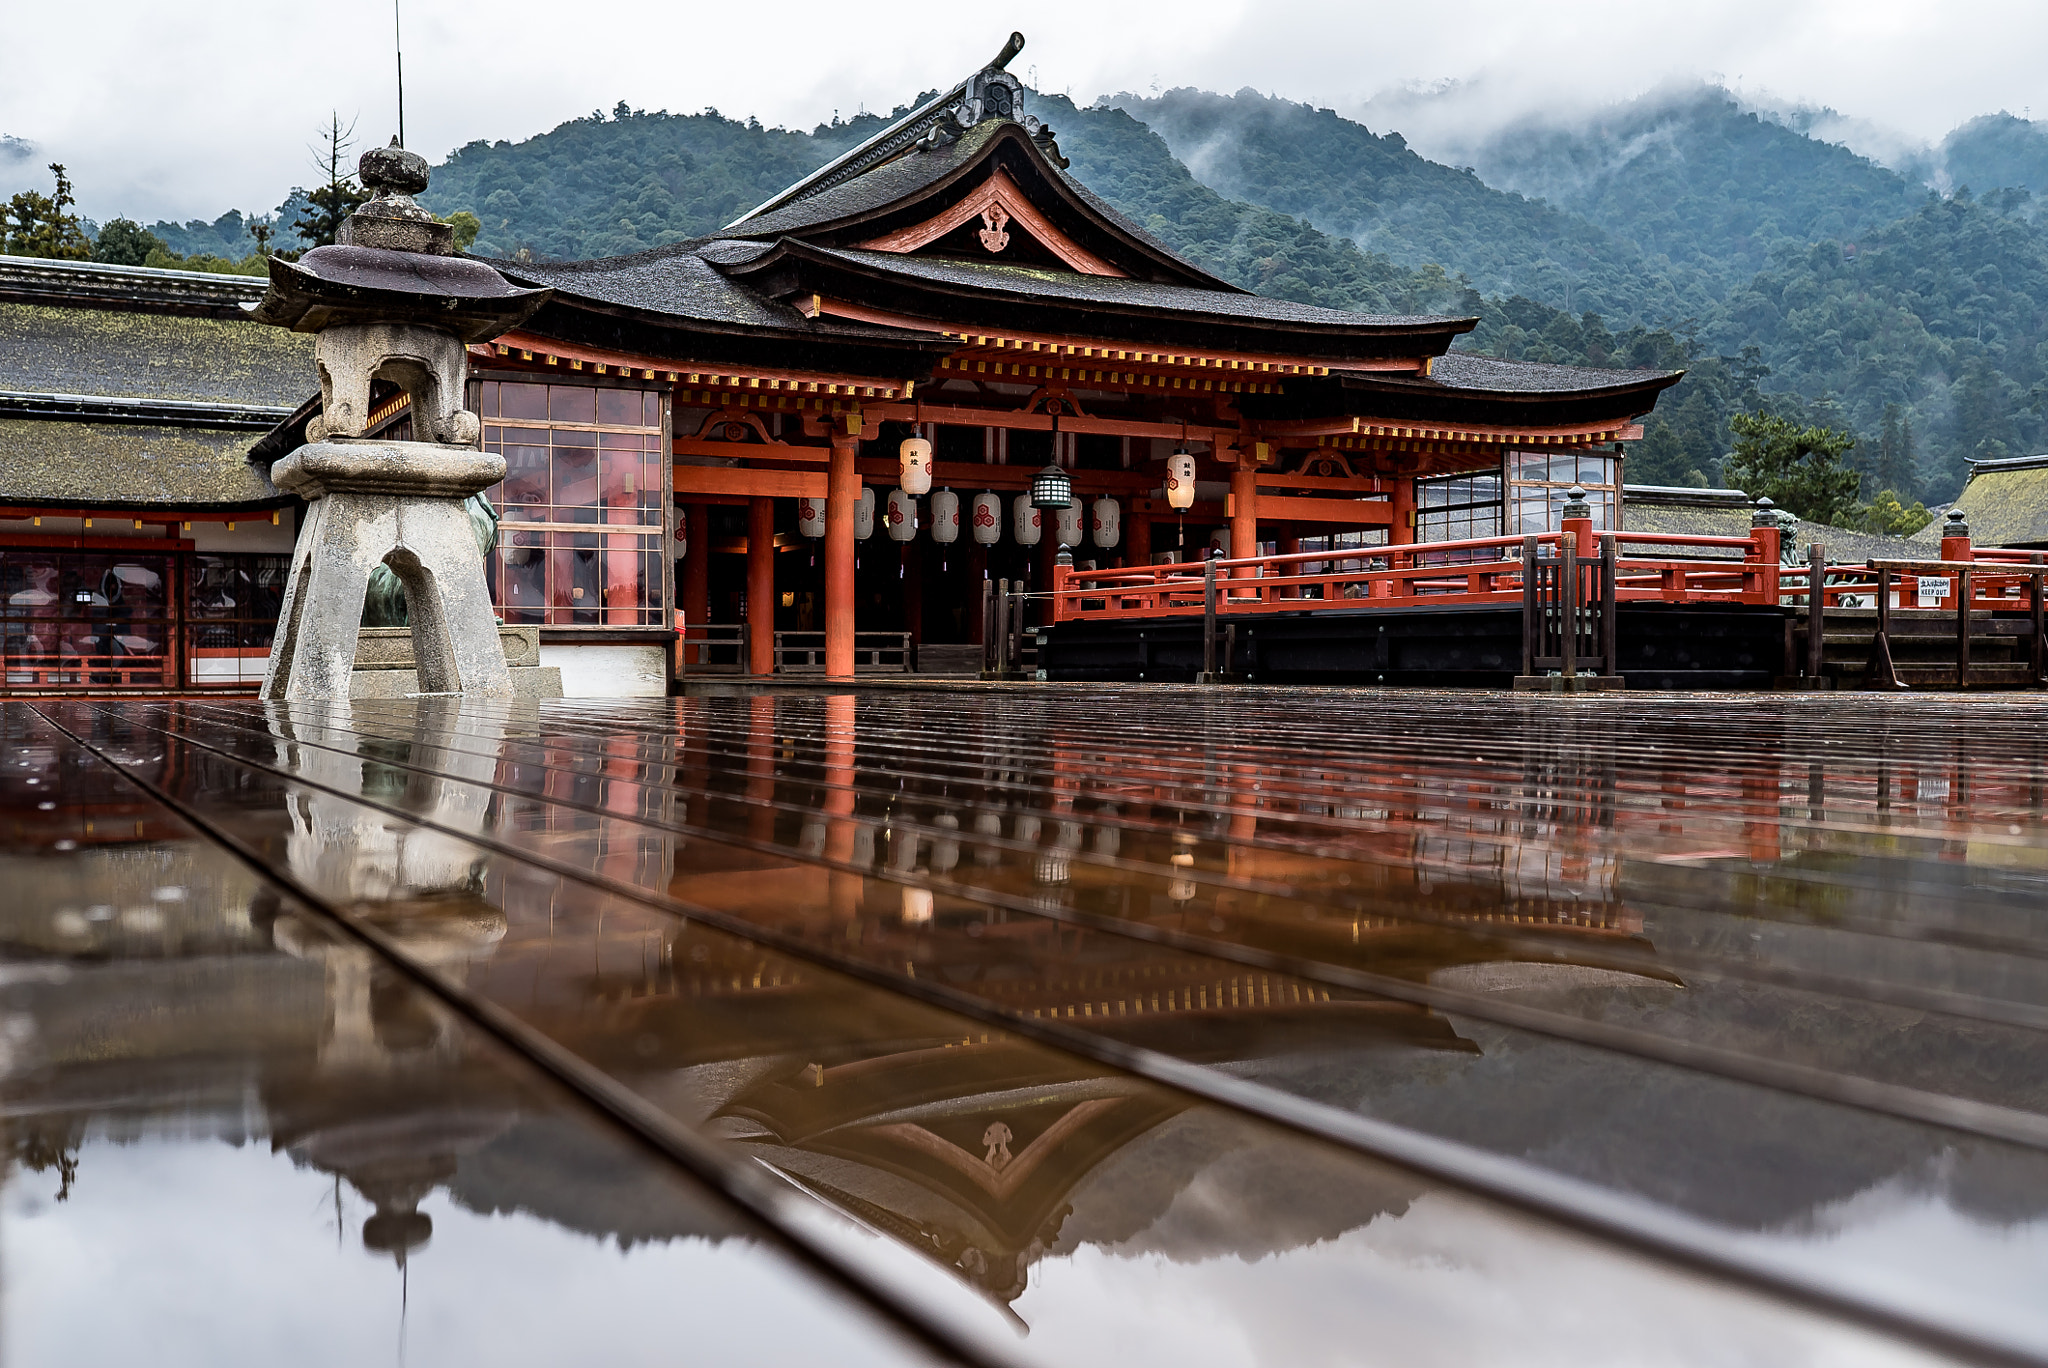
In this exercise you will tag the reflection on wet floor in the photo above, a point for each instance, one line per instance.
(1066, 1026)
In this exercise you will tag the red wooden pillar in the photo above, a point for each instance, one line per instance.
(696, 586)
(760, 586)
(1288, 546)
(1401, 532)
(842, 492)
(1244, 510)
(1138, 540)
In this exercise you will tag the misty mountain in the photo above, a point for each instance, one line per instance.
(1371, 188)
(1996, 151)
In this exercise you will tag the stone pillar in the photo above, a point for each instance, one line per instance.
(760, 586)
(842, 492)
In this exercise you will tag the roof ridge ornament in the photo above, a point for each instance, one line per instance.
(990, 93)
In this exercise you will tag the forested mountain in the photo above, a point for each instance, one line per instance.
(1677, 230)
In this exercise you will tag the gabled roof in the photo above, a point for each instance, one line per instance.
(923, 182)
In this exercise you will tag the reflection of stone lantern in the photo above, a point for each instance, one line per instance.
(390, 302)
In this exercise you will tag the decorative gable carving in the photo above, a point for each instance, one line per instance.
(998, 203)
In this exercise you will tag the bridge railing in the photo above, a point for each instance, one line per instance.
(1473, 571)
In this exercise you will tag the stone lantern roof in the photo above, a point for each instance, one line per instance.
(394, 263)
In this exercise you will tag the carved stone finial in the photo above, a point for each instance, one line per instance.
(392, 220)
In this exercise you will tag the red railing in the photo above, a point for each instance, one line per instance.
(1475, 571)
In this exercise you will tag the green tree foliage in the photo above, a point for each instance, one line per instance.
(124, 242)
(1798, 468)
(33, 224)
(466, 225)
(1890, 513)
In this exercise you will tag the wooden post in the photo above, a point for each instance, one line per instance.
(1208, 621)
(761, 586)
(842, 492)
(1882, 673)
(2037, 648)
(1816, 609)
(1138, 540)
(1962, 629)
(985, 630)
(1568, 604)
(1532, 608)
(1610, 603)
(696, 586)
(1289, 546)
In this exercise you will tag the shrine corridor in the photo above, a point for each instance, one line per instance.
(1060, 1025)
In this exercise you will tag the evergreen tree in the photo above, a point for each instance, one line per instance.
(1894, 469)
(1798, 468)
(33, 224)
(124, 242)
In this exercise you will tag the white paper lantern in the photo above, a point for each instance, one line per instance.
(810, 517)
(1180, 480)
(902, 515)
(682, 537)
(1220, 539)
(864, 514)
(915, 456)
(1069, 524)
(1108, 522)
(988, 519)
(1024, 521)
(945, 517)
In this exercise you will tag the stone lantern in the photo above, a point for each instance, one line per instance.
(390, 301)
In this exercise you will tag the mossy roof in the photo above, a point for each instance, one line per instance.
(127, 465)
(2006, 507)
(145, 355)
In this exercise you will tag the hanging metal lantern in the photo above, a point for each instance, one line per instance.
(915, 456)
(1069, 524)
(864, 514)
(1024, 521)
(945, 517)
(1180, 480)
(1106, 522)
(902, 516)
(987, 521)
(810, 517)
(1052, 487)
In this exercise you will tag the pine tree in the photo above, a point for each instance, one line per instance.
(33, 224)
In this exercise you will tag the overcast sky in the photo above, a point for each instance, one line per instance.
(184, 111)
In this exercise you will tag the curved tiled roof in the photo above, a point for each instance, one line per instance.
(681, 281)
(1039, 283)
(871, 190)
(1492, 375)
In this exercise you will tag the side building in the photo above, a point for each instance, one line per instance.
(139, 546)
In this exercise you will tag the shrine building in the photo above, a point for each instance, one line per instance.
(809, 440)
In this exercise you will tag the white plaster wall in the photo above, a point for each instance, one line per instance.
(609, 671)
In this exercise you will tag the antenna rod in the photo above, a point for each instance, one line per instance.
(398, 46)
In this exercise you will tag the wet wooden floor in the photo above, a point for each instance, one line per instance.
(1076, 1025)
